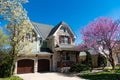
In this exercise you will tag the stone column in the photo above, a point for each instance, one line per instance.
(51, 62)
(61, 63)
(36, 65)
(60, 60)
(15, 70)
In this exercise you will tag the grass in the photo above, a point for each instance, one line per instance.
(11, 78)
(103, 75)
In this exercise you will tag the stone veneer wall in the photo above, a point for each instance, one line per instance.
(56, 58)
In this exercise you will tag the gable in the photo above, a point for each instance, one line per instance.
(62, 26)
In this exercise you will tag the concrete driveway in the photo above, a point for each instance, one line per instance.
(48, 76)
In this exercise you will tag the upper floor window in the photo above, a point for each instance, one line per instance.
(28, 36)
(40, 39)
(64, 40)
(64, 29)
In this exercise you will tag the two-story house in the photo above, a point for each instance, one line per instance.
(53, 49)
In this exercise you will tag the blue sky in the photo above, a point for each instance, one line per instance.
(76, 13)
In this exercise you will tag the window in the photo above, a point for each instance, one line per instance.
(66, 56)
(64, 29)
(64, 40)
(28, 36)
(118, 57)
(40, 39)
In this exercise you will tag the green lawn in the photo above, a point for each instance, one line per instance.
(11, 78)
(104, 75)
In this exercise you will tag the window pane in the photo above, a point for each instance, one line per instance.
(40, 40)
(64, 39)
(64, 29)
(27, 36)
(65, 56)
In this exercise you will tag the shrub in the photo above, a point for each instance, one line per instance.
(88, 60)
(79, 68)
(5, 64)
(102, 61)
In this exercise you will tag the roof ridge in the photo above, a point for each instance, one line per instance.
(43, 24)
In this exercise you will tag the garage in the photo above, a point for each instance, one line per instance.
(43, 65)
(25, 66)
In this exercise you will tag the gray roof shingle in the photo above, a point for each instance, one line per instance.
(42, 29)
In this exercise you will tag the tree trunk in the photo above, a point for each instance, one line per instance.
(13, 50)
(12, 62)
(111, 60)
(13, 55)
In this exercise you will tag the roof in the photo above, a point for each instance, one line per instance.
(57, 26)
(45, 30)
(54, 29)
(66, 47)
(42, 29)
(36, 54)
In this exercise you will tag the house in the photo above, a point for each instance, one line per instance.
(53, 49)
(116, 56)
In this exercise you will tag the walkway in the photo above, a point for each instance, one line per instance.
(48, 76)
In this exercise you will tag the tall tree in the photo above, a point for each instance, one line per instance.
(18, 25)
(102, 35)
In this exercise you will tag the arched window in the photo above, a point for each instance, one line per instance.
(64, 29)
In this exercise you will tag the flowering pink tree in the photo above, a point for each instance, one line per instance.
(102, 35)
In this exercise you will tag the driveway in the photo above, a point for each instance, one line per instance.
(48, 76)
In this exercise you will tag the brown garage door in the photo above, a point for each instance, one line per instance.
(43, 65)
(25, 66)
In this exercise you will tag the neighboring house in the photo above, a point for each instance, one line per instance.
(53, 49)
(116, 57)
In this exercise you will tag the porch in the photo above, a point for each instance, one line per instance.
(66, 59)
